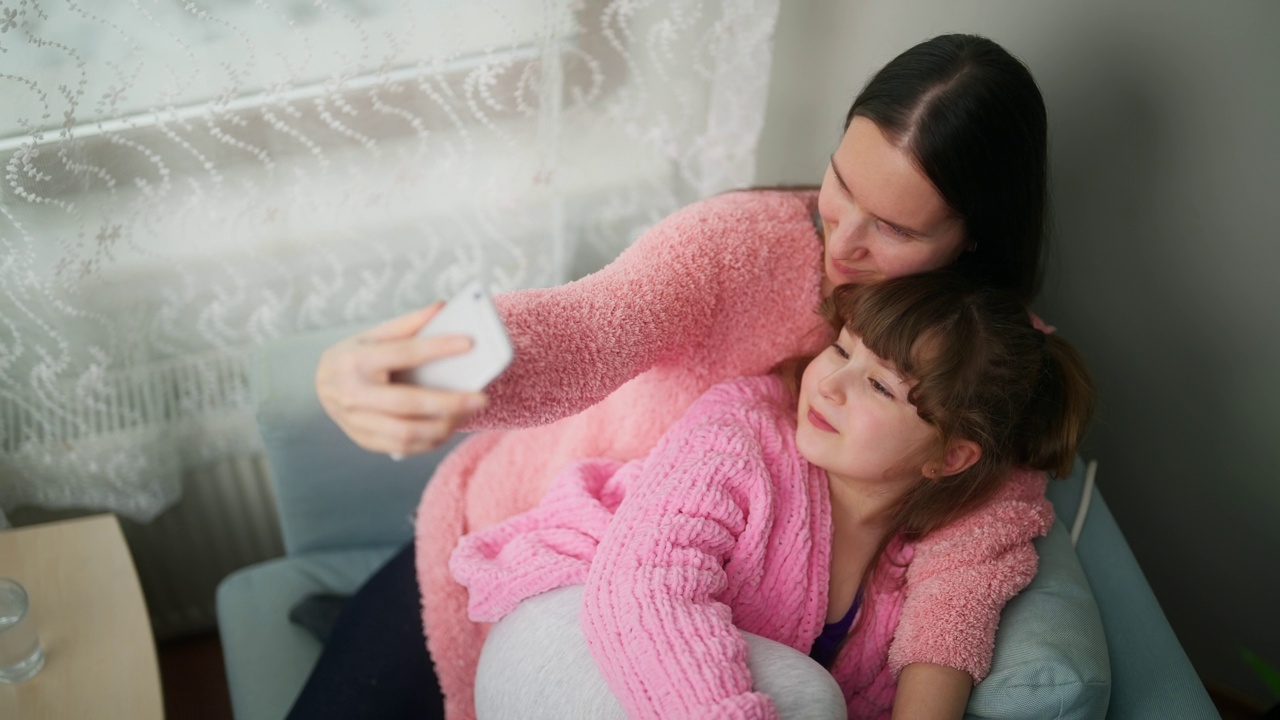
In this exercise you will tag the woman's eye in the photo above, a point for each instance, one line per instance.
(879, 387)
(893, 230)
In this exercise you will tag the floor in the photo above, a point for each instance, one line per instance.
(1233, 707)
(194, 679)
(195, 683)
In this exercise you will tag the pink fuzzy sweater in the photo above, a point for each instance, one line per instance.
(725, 525)
(724, 288)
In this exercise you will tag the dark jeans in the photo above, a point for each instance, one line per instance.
(375, 662)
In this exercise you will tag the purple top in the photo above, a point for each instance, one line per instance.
(827, 646)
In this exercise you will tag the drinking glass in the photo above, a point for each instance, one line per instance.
(20, 653)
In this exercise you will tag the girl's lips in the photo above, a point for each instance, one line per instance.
(816, 419)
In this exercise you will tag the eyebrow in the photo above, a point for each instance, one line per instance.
(894, 372)
(884, 365)
(840, 179)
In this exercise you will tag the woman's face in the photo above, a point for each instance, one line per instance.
(881, 216)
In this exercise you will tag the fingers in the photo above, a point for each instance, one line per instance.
(397, 418)
(402, 327)
(353, 383)
(395, 435)
(417, 403)
(400, 400)
(353, 363)
(377, 361)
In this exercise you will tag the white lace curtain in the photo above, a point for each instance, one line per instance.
(186, 179)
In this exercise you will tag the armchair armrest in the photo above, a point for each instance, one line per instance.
(1151, 675)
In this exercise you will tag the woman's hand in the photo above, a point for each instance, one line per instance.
(353, 382)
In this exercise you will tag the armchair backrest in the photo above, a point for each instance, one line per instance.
(330, 493)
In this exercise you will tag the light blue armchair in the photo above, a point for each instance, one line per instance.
(344, 511)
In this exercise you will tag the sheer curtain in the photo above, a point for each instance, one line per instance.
(184, 180)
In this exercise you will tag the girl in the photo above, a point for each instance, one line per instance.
(798, 515)
(942, 163)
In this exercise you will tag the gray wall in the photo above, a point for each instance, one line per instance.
(1165, 130)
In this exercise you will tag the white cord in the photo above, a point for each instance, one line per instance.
(1085, 496)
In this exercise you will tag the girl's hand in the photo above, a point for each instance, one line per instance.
(353, 382)
(931, 692)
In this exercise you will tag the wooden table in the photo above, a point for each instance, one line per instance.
(100, 656)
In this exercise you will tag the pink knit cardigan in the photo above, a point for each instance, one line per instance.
(723, 525)
(724, 288)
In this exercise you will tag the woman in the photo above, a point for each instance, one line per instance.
(943, 162)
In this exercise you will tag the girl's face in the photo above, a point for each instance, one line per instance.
(881, 216)
(855, 421)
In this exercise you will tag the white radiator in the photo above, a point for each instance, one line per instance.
(225, 521)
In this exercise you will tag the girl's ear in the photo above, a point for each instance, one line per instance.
(960, 456)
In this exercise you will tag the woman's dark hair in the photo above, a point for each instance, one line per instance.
(973, 118)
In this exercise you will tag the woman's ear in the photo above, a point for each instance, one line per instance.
(960, 456)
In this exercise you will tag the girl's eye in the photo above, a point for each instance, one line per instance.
(879, 387)
(844, 354)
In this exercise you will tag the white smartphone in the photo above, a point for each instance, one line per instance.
(470, 312)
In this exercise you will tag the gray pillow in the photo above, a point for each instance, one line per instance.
(1051, 654)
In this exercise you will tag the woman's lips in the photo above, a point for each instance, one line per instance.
(816, 419)
(847, 271)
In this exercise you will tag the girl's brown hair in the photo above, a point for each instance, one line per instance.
(979, 371)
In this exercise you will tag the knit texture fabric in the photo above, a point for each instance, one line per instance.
(723, 526)
(725, 288)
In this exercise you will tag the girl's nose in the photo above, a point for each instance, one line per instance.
(831, 388)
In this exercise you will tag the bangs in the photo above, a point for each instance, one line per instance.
(920, 327)
(978, 371)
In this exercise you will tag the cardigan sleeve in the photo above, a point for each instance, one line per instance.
(666, 645)
(548, 547)
(961, 576)
(576, 343)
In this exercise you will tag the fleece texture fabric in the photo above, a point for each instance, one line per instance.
(724, 526)
(725, 288)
